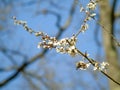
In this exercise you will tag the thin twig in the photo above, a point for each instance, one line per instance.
(105, 29)
(92, 62)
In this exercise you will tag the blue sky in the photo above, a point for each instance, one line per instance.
(62, 66)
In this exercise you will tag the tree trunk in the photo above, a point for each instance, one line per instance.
(108, 43)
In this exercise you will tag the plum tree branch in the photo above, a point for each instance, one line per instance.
(43, 53)
(93, 63)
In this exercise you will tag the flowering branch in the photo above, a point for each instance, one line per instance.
(89, 11)
(43, 53)
(95, 64)
(68, 45)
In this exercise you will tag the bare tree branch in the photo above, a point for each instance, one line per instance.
(9, 53)
(43, 53)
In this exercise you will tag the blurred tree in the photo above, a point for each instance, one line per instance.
(107, 18)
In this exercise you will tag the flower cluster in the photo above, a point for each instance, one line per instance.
(100, 66)
(89, 11)
(103, 66)
(92, 5)
(65, 45)
(68, 45)
(82, 65)
(23, 23)
(47, 41)
(95, 65)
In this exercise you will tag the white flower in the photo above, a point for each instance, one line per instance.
(100, 66)
(39, 45)
(63, 41)
(103, 65)
(81, 9)
(84, 27)
(95, 68)
(72, 50)
(91, 5)
(88, 64)
(93, 14)
(72, 41)
(82, 65)
(60, 50)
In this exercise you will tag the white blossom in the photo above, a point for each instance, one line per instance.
(82, 65)
(84, 27)
(100, 66)
(95, 68)
(91, 5)
(67, 45)
(81, 9)
(93, 15)
(103, 65)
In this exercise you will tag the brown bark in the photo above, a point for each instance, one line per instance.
(108, 43)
